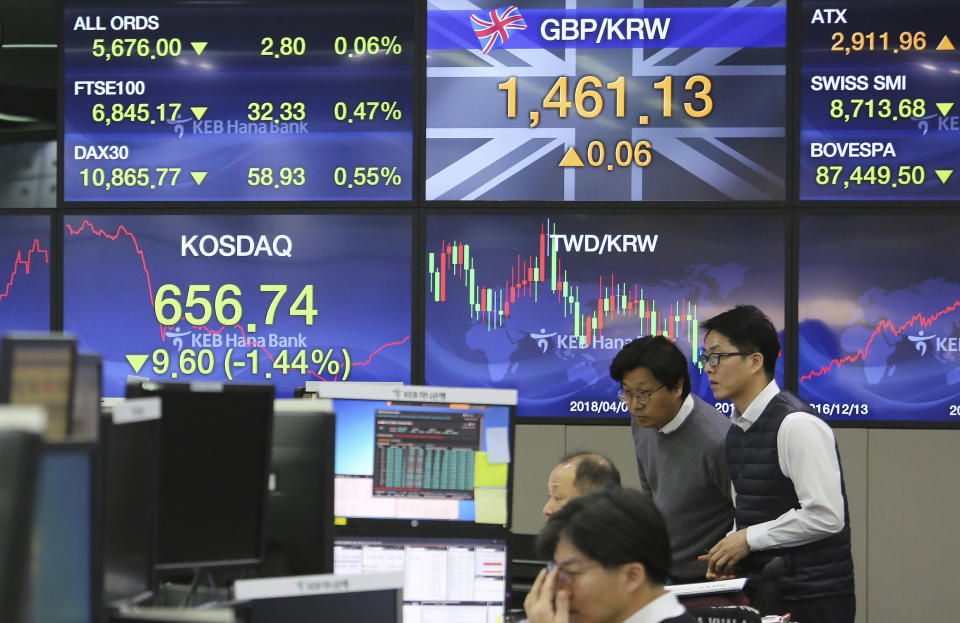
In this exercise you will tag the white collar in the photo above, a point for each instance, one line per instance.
(749, 417)
(666, 606)
(685, 410)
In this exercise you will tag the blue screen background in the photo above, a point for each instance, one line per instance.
(714, 262)
(60, 589)
(24, 273)
(359, 267)
(879, 305)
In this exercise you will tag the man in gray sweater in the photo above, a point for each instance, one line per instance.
(679, 440)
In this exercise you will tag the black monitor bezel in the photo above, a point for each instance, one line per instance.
(104, 442)
(145, 389)
(323, 411)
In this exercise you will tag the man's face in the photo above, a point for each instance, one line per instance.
(664, 402)
(597, 595)
(732, 374)
(560, 489)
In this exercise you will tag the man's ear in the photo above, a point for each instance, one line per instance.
(678, 388)
(756, 362)
(635, 574)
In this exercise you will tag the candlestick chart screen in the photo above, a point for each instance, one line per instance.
(282, 299)
(542, 304)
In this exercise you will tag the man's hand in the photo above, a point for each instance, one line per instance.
(539, 604)
(723, 557)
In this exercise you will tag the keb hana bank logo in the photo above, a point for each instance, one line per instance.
(493, 27)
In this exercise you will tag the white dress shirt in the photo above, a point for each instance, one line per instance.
(806, 449)
(685, 410)
(666, 606)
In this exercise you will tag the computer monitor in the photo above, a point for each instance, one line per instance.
(63, 577)
(213, 451)
(128, 456)
(37, 368)
(299, 529)
(19, 455)
(445, 578)
(87, 380)
(422, 454)
(327, 598)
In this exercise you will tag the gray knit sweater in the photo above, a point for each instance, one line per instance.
(686, 473)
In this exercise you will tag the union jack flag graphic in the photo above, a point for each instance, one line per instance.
(498, 26)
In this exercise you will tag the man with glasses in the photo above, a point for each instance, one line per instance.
(610, 556)
(789, 492)
(679, 441)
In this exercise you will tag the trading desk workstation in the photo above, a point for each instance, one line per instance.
(383, 501)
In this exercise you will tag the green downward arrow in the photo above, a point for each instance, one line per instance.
(136, 361)
(944, 107)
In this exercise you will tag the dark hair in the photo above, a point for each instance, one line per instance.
(659, 355)
(613, 527)
(594, 471)
(749, 330)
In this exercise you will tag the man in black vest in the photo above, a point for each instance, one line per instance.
(789, 495)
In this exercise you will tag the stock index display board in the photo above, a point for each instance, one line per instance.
(281, 299)
(237, 101)
(880, 97)
(555, 100)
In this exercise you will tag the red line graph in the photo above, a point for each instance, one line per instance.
(885, 325)
(25, 263)
(122, 230)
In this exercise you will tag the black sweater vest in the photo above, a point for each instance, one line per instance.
(817, 569)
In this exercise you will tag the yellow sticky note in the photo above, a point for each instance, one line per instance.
(491, 505)
(487, 475)
(339, 521)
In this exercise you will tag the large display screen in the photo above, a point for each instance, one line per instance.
(554, 100)
(279, 298)
(24, 273)
(880, 317)
(238, 100)
(879, 96)
(542, 304)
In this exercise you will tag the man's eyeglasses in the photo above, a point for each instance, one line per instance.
(714, 358)
(642, 396)
(567, 575)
